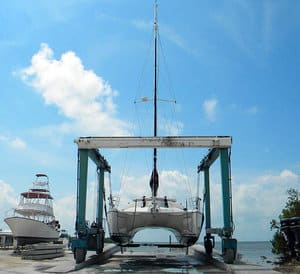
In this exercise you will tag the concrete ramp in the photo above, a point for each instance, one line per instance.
(132, 260)
(239, 267)
(68, 266)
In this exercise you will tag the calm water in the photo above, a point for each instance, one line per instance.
(255, 252)
(176, 261)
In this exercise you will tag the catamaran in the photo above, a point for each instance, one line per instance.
(155, 212)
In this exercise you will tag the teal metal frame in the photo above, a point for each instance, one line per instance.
(89, 237)
(229, 244)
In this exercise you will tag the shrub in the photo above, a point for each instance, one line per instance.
(292, 209)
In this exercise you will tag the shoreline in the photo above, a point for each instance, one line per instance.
(290, 268)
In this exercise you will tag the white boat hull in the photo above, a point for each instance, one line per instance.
(185, 225)
(29, 231)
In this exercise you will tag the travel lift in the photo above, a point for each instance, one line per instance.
(229, 245)
(91, 237)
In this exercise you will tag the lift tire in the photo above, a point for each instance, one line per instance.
(79, 255)
(208, 245)
(229, 256)
(99, 251)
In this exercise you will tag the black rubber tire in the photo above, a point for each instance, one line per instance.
(208, 245)
(79, 255)
(98, 252)
(229, 256)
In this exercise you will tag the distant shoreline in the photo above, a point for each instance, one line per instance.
(290, 268)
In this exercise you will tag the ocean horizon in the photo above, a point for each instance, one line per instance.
(254, 252)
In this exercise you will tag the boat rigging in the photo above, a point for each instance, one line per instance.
(152, 212)
(155, 212)
(154, 181)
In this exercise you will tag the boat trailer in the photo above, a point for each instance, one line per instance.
(91, 237)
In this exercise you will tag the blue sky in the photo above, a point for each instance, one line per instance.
(74, 68)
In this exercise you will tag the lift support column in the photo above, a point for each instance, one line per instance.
(89, 237)
(229, 245)
(209, 241)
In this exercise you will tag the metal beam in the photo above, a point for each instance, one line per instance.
(207, 199)
(154, 142)
(82, 170)
(226, 192)
(100, 196)
(99, 160)
(209, 159)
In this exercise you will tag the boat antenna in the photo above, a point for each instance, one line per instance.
(154, 181)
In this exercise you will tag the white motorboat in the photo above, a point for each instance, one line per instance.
(33, 220)
(155, 212)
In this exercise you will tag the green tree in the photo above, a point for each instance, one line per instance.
(292, 209)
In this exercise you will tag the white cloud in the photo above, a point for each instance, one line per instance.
(133, 187)
(79, 94)
(9, 43)
(234, 26)
(256, 201)
(8, 200)
(16, 143)
(210, 109)
(244, 110)
(172, 183)
(142, 25)
(171, 128)
(168, 33)
(260, 200)
(252, 110)
(65, 208)
(283, 178)
(65, 211)
(255, 31)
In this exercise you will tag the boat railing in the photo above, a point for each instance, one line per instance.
(34, 207)
(114, 201)
(194, 203)
(29, 215)
(159, 202)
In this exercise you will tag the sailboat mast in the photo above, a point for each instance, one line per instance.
(154, 181)
(155, 80)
